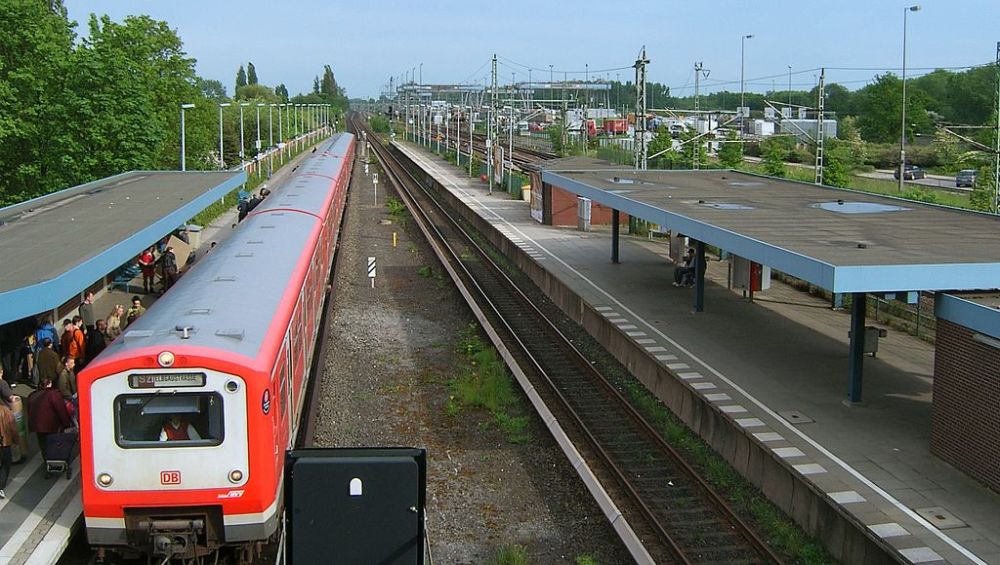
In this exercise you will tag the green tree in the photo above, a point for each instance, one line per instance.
(837, 162)
(34, 64)
(329, 86)
(257, 92)
(669, 157)
(281, 91)
(316, 85)
(731, 152)
(879, 106)
(773, 153)
(251, 74)
(212, 89)
(241, 78)
(983, 194)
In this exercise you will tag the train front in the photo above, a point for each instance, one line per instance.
(165, 457)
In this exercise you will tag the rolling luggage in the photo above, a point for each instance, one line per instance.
(59, 452)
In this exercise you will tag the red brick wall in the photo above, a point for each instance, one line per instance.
(965, 423)
(564, 209)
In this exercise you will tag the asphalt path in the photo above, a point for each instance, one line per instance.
(935, 181)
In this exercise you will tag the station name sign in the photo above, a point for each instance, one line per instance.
(167, 380)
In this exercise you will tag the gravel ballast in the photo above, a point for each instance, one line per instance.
(390, 356)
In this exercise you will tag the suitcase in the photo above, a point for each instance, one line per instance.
(60, 449)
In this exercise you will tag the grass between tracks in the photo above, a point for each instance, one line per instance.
(485, 383)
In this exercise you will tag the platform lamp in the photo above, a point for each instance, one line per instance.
(902, 132)
(222, 160)
(242, 144)
(183, 107)
(743, 43)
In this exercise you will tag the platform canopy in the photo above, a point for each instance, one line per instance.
(841, 240)
(56, 245)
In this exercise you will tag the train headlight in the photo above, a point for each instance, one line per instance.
(232, 386)
(105, 480)
(165, 359)
(235, 476)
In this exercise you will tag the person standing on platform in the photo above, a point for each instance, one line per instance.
(47, 414)
(147, 264)
(9, 437)
(49, 364)
(169, 263)
(97, 340)
(134, 311)
(72, 343)
(45, 330)
(115, 320)
(87, 312)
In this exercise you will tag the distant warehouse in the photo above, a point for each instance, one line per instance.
(805, 130)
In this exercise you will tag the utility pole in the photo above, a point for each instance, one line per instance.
(640, 110)
(996, 155)
(491, 130)
(820, 134)
(696, 148)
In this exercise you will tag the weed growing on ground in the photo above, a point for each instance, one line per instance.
(397, 210)
(586, 560)
(485, 383)
(510, 555)
(426, 271)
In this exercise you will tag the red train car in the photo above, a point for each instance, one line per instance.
(185, 418)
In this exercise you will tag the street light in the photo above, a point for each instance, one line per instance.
(902, 133)
(183, 107)
(222, 160)
(743, 42)
(789, 88)
(259, 105)
(242, 144)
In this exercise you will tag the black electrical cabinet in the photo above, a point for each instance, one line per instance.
(355, 505)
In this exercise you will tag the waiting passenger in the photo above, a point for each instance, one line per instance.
(147, 264)
(45, 330)
(134, 311)
(178, 429)
(49, 364)
(87, 312)
(169, 261)
(684, 274)
(115, 320)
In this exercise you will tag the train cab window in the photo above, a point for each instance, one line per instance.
(162, 419)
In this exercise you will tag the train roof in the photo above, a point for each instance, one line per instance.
(307, 189)
(230, 298)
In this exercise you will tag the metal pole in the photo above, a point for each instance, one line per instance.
(510, 152)
(743, 42)
(242, 145)
(182, 138)
(789, 88)
(996, 155)
(222, 159)
(902, 132)
(281, 136)
(471, 125)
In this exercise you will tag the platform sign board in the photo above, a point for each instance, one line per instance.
(356, 505)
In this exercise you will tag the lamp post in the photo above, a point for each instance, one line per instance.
(242, 143)
(259, 106)
(743, 43)
(902, 132)
(281, 136)
(270, 139)
(222, 160)
(789, 88)
(183, 107)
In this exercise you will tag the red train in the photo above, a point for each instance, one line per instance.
(185, 418)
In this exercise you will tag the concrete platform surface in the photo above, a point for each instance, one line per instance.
(778, 368)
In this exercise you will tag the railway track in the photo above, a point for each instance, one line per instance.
(674, 513)
(522, 155)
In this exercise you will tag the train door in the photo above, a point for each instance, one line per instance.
(287, 398)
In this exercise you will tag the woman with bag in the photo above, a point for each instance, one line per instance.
(9, 437)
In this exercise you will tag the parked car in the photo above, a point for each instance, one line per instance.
(910, 172)
(966, 177)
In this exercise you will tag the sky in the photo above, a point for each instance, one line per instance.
(366, 43)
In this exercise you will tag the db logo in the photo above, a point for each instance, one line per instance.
(170, 477)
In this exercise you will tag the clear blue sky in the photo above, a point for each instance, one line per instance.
(367, 42)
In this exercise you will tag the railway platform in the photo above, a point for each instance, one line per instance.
(774, 367)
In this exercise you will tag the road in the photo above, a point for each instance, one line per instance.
(935, 181)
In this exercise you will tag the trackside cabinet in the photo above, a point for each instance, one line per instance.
(363, 505)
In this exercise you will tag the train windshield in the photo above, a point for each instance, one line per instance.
(168, 419)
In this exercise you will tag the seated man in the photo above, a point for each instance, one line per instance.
(684, 274)
(177, 428)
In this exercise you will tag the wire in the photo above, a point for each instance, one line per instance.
(554, 70)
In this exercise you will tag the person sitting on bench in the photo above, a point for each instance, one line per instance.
(684, 274)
